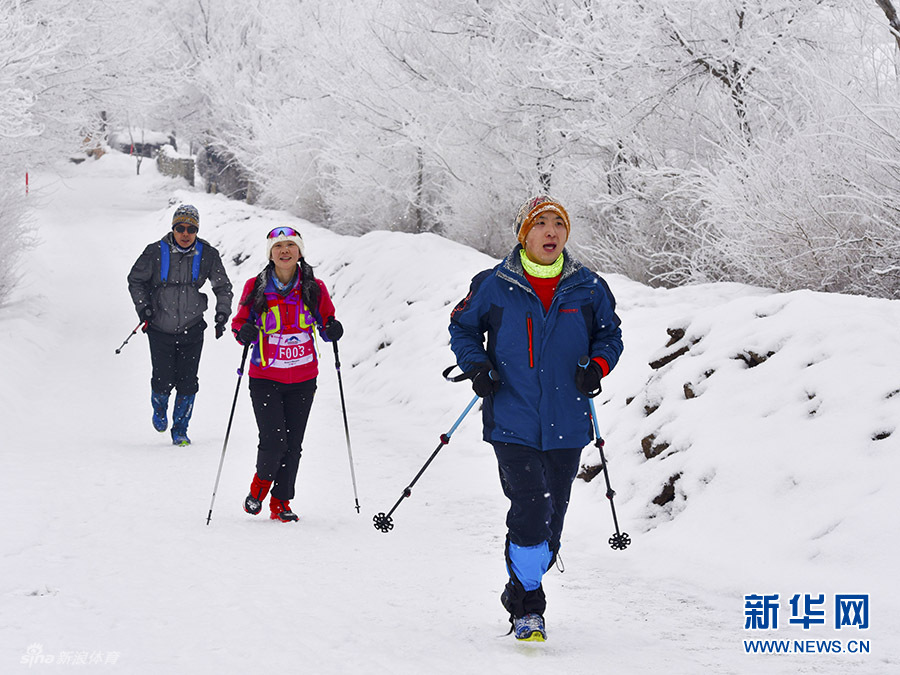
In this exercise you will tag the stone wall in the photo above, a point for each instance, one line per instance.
(224, 175)
(176, 167)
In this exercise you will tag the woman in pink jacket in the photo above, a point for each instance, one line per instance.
(279, 310)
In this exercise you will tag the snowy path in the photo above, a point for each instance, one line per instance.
(107, 558)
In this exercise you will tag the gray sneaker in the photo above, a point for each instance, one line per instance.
(530, 628)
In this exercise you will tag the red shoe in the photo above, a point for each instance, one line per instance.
(281, 510)
(258, 490)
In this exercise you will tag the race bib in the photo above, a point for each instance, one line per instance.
(288, 351)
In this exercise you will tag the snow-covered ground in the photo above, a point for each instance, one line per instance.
(783, 474)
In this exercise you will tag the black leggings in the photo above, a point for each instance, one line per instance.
(282, 411)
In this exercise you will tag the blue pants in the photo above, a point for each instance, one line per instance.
(538, 484)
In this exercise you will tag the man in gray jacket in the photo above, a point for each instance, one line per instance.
(165, 284)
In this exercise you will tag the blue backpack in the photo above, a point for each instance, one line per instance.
(164, 261)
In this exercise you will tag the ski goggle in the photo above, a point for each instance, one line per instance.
(190, 229)
(283, 231)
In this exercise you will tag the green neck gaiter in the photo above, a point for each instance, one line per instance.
(541, 271)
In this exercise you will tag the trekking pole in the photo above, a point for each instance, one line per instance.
(337, 367)
(383, 521)
(129, 337)
(620, 540)
(237, 388)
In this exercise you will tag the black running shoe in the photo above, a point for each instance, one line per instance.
(252, 505)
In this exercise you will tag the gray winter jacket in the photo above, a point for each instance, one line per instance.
(178, 303)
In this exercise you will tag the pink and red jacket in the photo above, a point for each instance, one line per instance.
(287, 347)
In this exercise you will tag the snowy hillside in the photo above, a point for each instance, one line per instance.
(756, 456)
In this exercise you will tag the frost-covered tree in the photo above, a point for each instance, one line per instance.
(775, 182)
(27, 51)
(745, 140)
(66, 70)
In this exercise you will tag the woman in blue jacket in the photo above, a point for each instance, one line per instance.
(541, 310)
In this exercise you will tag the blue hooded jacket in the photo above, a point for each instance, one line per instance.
(536, 352)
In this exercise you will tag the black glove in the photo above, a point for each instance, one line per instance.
(145, 313)
(248, 334)
(587, 380)
(482, 383)
(333, 330)
(220, 325)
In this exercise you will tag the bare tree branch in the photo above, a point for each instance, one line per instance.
(893, 19)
